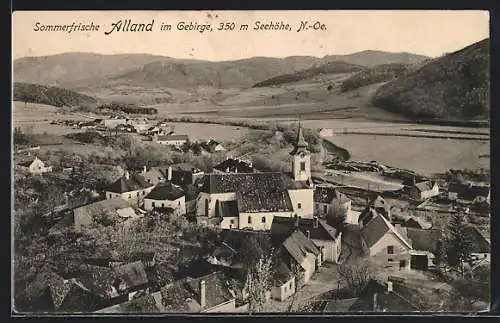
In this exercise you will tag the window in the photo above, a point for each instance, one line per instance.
(153, 204)
(299, 206)
(137, 194)
(130, 196)
(390, 250)
(302, 166)
(325, 208)
(263, 219)
(179, 203)
(143, 192)
(232, 221)
(390, 260)
(163, 205)
(249, 219)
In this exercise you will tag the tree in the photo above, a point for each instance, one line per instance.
(459, 242)
(336, 217)
(356, 275)
(259, 279)
(255, 247)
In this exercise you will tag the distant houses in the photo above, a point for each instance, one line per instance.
(326, 132)
(234, 165)
(326, 198)
(468, 193)
(171, 140)
(106, 212)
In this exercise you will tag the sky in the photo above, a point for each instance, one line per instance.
(425, 32)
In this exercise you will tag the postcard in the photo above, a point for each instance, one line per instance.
(250, 162)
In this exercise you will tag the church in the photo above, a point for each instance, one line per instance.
(252, 200)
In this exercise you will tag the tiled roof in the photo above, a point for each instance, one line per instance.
(339, 305)
(98, 281)
(324, 194)
(367, 215)
(157, 172)
(424, 240)
(285, 226)
(417, 222)
(479, 242)
(165, 191)
(282, 274)
(228, 208)
(424, 186)
(109, 207)
(298, 245)
(172, 137)
(256, 192)
(386, 301)
(376, 228)
(133, 183)
(47, 279)
(234, 166)
(184, 295)
(143, 304)
(133, 274)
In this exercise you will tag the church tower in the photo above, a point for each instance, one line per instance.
(301, 162)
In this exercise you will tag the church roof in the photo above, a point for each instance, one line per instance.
(301, 144)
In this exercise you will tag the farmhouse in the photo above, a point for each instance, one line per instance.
(166, 195)
(297, 249)
(317, 230)
(234, 165)
(468, 193)
(171, 140)
(385, 243)
(129, 187)
(283, 283)
(107, 211)
(35, 166)
(424, 190)
(326, 198)
(213, 146)
(262, 196)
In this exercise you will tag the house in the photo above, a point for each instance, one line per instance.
(262, 196)
(283, 283)
(382, 297)
(424, 190)
(213, 146)
(468, 193)
(481, 247)
(206, 294)
(416, 222)
(166, 195)
(425, 246)
(140, 125)
(385, 243)
(326, 132)
(315, 229)
(155, 175)
(129, 187)
(171, 140)
(234, 165)
(144, 304)
(35, 166)
(113, 123)
(326, 198)
(184, 174)
(377, 206)
(301, 251)
(113, 210)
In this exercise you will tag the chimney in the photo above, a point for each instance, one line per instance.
(203, 300)
(169, 173)
(308, 234)
(389, 286)
(316, 222)
(127, 175)
(375, 306)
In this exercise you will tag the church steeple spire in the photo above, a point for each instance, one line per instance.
(300, 144)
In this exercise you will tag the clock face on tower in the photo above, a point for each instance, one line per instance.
(302, 154)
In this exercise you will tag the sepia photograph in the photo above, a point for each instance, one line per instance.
(250, 162)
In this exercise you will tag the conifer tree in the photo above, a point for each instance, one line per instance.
(459, 242)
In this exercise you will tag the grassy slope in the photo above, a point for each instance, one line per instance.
(455, 86)
(377, 74)
(50, 95)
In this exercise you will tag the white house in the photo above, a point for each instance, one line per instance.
(113, 123)
(166, 195)
(171, 140)
(283, 283)
(424, 190)
(35, 166)
(214, 146)
(262, 196)
(326, 132)
(304, 253)
(326, 198)
(386, 244)
(129, 187)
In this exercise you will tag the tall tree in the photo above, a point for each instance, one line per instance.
(459, 242)
(259, 280)
(336, 217)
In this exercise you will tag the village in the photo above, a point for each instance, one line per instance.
(305, 240)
